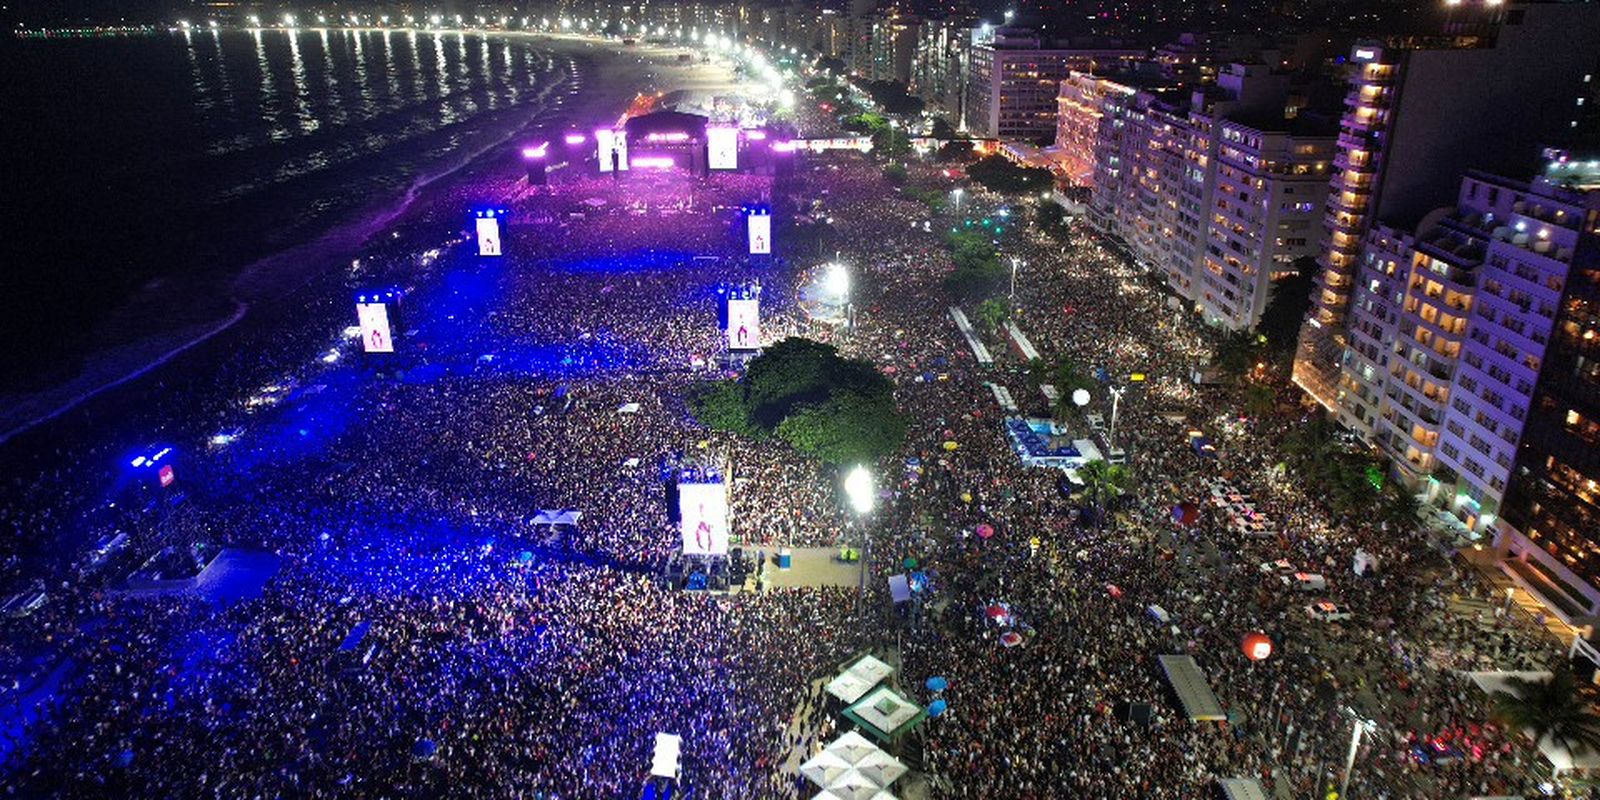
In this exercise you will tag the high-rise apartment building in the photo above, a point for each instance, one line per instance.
(1013, 81)
(1218, 194)
(1266, 211)
(1417, 115)
(1549, 524)
(939, 66)
(894, 44)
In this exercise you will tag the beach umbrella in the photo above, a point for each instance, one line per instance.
(1186, 513)
(985, 530)
(1257, 646)
(824, 768)
(909, 563)
(936, 684)
(1010, 639)
(424, 749)
(1113, 590)
(938, 707)
(951, 445)
(996, 611)
(966, 497)
(825, 795)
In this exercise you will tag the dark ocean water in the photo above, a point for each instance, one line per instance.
(151, 158)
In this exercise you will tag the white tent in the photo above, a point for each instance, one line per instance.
(825, 768)
(881, 767)
(853, 785)
(859, 678)
(852, 747)
(849, 687)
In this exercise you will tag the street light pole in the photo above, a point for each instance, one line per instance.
(1361, 726)
(1014, 262)
(1116, 404)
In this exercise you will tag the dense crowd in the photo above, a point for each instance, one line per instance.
(423, 637)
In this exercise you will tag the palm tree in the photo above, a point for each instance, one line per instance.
(1558, 709)
(993, 313)
(1400, 507)
(1102, 483)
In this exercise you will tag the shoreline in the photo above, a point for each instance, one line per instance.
(278, 278)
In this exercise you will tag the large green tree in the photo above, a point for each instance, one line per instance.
(806, 394)
(1001, 174)
(849, 427)
(1286, 310)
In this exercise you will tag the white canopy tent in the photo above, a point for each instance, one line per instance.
(824, 768)
(859, 678)
(852, 747)
(881, 767)
(549, 516)
(853, 768)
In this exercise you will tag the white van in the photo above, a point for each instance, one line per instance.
(1305, 582)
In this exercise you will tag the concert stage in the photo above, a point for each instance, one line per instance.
(812, 566)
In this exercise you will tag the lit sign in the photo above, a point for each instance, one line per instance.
(488, 235)
(723, 147)
(1365, 54)
(374, 321)
(759, 225)
(703, 513)
(744, 323)
(611, 147)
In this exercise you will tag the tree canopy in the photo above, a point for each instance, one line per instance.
(978, 269)
(806, 394)
(956, 150)
(892, 97)
(1001, 174)
(1286, 310)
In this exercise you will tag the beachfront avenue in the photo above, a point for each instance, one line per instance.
(390, 616)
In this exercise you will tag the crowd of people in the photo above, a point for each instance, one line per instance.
(422, 636)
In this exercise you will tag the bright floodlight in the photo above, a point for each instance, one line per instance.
(1080, 397)
(858, 487)
(838, 280)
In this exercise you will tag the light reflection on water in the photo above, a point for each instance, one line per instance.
(321, 99)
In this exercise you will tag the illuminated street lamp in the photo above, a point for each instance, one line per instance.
(858, 488)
